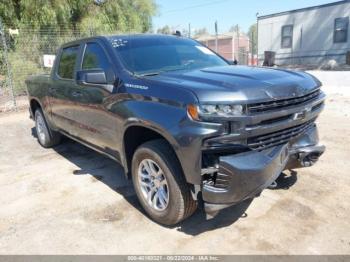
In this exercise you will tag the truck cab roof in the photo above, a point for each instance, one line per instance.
(109, 38)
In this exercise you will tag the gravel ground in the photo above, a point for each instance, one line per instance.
(71, 200)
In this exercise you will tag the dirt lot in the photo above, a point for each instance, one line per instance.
(71, 200)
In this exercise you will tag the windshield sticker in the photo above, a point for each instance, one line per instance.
(118, 42)
(204, 50)
(136, 86)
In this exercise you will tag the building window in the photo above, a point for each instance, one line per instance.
(341, 29)
(287, 36)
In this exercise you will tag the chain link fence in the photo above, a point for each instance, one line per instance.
(232, 46)
(22, 54)
(7, 96)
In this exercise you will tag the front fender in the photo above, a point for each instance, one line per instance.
(172, 122)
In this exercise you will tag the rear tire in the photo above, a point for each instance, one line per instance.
(46, 137)
(172, 201)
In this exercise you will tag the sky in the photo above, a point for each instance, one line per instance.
(203, 13)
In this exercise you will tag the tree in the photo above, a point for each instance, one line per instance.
(201, 31)
(235, 29)
(185, 32)
(96, 15)
(253, 35)
(45, 24)
(164, 30)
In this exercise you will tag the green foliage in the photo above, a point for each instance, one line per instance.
(45, 25)
(201, 31)
(234, 29)
(21, 69)
(63, 15)
(164, 30)
(253, 35)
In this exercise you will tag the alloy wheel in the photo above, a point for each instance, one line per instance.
(153, 183)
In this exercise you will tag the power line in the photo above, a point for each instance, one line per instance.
(194, 6)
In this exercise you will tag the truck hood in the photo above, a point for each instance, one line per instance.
(240, 83)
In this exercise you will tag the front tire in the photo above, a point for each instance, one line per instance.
(46, 137)
(160, 184)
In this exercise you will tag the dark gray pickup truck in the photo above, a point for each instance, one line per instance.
(188, 127)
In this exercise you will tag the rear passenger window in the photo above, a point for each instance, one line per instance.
(67, 62)
(95, 57)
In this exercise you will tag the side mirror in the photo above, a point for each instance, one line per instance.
(92, 76)
(232, 62)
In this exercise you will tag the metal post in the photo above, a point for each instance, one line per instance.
(301, 44)
(257, 38)
(252, 49)
(7, 65)
(216, 36)
(238, 50)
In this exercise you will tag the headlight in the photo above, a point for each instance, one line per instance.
(208, 111)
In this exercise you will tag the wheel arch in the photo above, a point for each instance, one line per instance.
(137, 134)
(34, 104)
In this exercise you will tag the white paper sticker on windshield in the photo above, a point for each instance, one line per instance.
(204, 50)
(118, 42)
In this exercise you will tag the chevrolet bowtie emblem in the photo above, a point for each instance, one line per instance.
(301, 115)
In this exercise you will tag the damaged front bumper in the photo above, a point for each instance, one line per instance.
(245, 175)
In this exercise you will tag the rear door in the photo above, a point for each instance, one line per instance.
(63, 89)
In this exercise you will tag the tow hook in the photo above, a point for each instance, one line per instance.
(309, 155)
(273, 185)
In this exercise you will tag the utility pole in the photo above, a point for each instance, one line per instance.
(216, 36)
(189, 30)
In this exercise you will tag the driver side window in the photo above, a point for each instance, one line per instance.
(95, 58)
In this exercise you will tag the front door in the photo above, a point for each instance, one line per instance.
(96, 124)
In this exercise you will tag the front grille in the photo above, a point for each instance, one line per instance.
(278, 104)
(279, 137)
(316, 107)
(222, 180)
(275, 120)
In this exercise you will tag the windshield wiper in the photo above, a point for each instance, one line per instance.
(150, 74)
(166, 69)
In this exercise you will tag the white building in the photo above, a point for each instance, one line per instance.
(307, 36)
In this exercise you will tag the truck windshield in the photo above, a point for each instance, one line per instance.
(151, 55)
